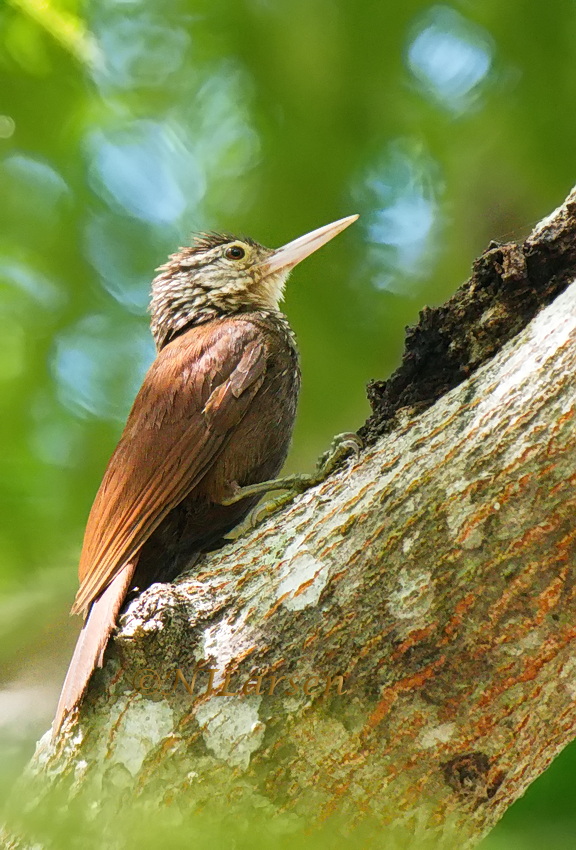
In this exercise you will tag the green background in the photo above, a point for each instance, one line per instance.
(127, 124)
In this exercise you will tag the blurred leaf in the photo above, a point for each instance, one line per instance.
(67, 28)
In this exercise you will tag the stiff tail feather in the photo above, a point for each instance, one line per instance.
(89, 651)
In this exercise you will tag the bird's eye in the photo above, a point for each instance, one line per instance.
(235, 252)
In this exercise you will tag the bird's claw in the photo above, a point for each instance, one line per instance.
(342, 445)
(262, 511)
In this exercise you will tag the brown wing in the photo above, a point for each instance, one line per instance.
(196, 391)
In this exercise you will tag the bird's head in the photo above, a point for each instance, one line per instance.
(220, 275)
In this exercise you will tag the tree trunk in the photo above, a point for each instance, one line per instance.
(395, 650)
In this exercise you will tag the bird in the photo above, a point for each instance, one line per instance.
(208, 431)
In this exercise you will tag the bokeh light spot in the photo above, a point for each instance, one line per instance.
(7, 127)
(141, 169)
(33, 173)
(450, 56)
(99, 366)
(139, 51)
(124, 252)
(400, 198)
(31, 282)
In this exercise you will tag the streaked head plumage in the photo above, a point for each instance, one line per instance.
(217, 275)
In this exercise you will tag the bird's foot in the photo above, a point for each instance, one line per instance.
(294, 483)
(342, 446)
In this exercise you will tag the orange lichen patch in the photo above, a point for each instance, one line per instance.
(252, 612)
(455, 621)
(337, 511)
(569, 538)
(515, 588)
(205, 575)
(169, 743)
(522, 459)
(276, 605)
(391, 694)
(544, 471)
(373, 642)
(150, 764)
(275, 666)
(450, 709)
(354, 759)
(117, 676)
(247, 577)
(341, 624)
(414, 637)
(389, 463)
(186, 720)
(549, 651)
(548, 599)
(466, 536)
(263, 552)
(559, 488)
(338, 576)
(484, 511)
(334, 546)
(305, 585)
(566, 417)
(446, 423)
(485, 724)
(239, 658)
(364, 491)
(119, 720)
(309, 640)
(522, 724)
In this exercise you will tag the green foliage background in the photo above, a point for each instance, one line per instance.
(127, 124)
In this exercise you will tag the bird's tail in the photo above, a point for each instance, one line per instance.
(89, 651)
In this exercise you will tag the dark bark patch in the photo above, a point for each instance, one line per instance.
(510, 283)
(472, 777)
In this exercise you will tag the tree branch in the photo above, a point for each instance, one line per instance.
(436, 575)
